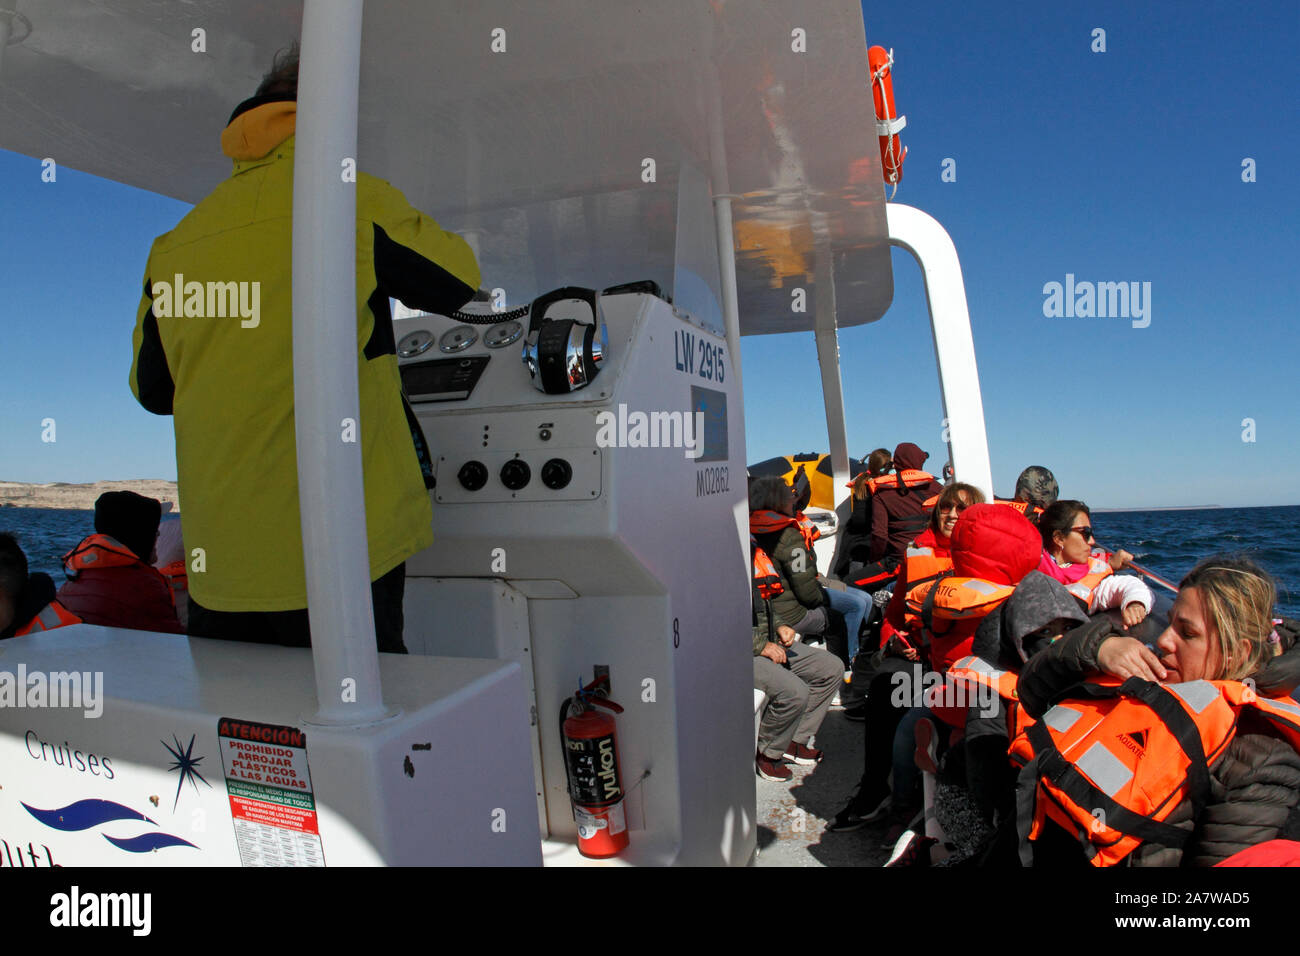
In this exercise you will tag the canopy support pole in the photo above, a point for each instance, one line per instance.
(327, 413)
(954, 348)
(828, 358)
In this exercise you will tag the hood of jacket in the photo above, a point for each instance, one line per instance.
(1039, 600)
(908, 455)
(257, 126)
(994, 543)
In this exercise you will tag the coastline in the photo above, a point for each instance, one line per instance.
(81, 497)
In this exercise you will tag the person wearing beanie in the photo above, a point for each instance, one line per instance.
(898, 507)
(130, 518)
(110, 581)
(1037, 486)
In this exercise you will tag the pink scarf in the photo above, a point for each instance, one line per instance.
(1066, 575)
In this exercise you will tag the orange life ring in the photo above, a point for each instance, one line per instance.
(888, 122)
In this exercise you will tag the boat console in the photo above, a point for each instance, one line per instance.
(597, 526)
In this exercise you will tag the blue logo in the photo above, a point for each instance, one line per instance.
(87, 814)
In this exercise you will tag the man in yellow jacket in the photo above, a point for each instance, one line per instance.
(213, 348)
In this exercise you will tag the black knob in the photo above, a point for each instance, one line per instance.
(473, 475)
(515, 474)
(556, 474)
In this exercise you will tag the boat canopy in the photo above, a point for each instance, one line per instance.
(554, 136)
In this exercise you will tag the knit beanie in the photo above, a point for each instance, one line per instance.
(130, 518)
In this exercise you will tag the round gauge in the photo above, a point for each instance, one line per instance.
(415, 343)
(499, 336)
(458, 339)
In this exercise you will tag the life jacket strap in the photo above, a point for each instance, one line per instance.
(1048, 763)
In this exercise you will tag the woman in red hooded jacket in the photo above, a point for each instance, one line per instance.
(992, 548)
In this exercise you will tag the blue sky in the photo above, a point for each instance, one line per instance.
(1115, 166)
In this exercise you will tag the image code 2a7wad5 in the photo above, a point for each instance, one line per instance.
(271, 802)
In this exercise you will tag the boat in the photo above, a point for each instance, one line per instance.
(690, 164)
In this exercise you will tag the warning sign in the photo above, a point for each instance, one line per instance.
(271, 800)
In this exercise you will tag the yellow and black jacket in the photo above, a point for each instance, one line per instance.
(228, 379)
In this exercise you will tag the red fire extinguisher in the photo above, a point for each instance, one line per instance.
(591, 761)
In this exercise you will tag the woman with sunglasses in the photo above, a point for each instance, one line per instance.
(1066, 528)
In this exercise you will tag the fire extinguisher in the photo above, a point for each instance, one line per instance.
(591, 762)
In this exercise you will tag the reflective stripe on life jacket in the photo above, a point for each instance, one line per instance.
(1113, 764)
(911, 477)
(98, 551)
(51, 616)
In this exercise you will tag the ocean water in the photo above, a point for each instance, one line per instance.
(1168, 543)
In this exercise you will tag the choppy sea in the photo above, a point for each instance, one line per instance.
(1168, 543)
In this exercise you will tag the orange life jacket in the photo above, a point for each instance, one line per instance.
(1098, 568)
(766, 578)
(976, 670)
(98, 551)
(768, 522)
(920, 566)
(1030, 511)
(1024, 507)
(950, 610)
(911, 477)
(51, 616)
(1113, 764)
(808, 528)
(177, 580)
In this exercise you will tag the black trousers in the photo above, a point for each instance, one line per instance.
(291, 628)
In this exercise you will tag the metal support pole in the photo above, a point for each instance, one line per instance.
(954, 348)
(330, 485)
(726, 240)
(828, 358)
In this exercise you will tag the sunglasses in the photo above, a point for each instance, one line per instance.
(1085, 532)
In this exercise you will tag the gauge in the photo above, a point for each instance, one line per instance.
(458, 339)
(416, 343)
(502, 334)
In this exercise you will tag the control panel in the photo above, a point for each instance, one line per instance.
(495, 437)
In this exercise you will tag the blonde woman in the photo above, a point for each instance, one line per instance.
(1221, 628)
